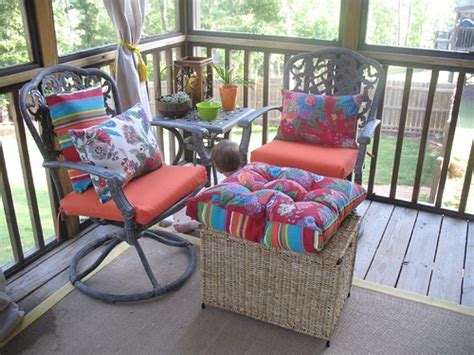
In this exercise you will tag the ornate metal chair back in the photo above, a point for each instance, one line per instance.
(336, 71)
(60, 79)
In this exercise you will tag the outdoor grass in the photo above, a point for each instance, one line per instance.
(24, 222)
(408, 162)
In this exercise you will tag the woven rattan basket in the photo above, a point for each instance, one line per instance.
(305, 293)
(173, 110)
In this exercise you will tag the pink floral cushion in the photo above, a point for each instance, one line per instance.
(319, 119)
(284, 208)
(125, 144)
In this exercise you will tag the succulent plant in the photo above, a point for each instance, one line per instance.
(179, 98)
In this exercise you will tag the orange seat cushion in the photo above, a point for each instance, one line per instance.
(151, 194)
(326, 161)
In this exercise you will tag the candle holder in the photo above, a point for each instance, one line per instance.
(194, 77)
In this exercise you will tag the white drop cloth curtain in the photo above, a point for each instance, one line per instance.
(128, 17)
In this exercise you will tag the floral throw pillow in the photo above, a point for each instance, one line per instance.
(125, 144)
(320, 119)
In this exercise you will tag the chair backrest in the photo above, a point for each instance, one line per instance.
(337, 71)
(60, 79)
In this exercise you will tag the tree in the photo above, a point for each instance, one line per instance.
(160, 17)
(13, 44)
(84, 24)
(81, 24)
(409, 23)
(293, 18)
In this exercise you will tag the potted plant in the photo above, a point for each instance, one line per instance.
(229, 88)
(174, 105)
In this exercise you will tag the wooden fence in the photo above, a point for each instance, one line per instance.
(416, 107)
(392, 108)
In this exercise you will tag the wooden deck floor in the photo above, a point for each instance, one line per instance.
(425, 253)
(404, 248)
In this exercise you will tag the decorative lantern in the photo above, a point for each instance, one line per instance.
(194, 76)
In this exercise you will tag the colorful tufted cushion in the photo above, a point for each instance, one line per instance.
(319, 119)
(75, 110)
(284, 208)
(125, 143)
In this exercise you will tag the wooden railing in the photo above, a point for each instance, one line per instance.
(259, 59)
(463, 39)
(426, 113)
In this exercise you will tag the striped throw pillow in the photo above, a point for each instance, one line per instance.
(76, 110)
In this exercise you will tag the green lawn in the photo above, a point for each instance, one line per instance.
(24, 222)
(408, 162)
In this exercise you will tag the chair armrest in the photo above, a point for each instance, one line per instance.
(180, 125)
(248, 119)
(246, 124)
(87, 168)
(115, 181)
(368, 132)
(364, 139)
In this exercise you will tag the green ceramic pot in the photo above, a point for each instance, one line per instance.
(208, 110)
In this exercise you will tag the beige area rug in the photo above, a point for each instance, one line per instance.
(371, 322)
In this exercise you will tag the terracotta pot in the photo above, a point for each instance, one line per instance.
(228, 97)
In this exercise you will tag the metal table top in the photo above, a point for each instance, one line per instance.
(222, 124)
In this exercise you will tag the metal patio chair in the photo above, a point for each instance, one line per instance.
(128, 207)
(329, 71)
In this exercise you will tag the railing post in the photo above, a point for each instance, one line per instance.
(246, 76)
(266, 94)
(157, 87)
(449, 139)
(228, 58)
(49, 56)
(20, 134)
(376, 139)
(169, 88)
(401, 132)
(10, 214)
(467, 180)
(424, 135)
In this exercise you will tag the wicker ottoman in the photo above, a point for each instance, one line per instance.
(278, 245)
(301, 292)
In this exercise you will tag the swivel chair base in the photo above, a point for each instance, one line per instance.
(111, 242)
